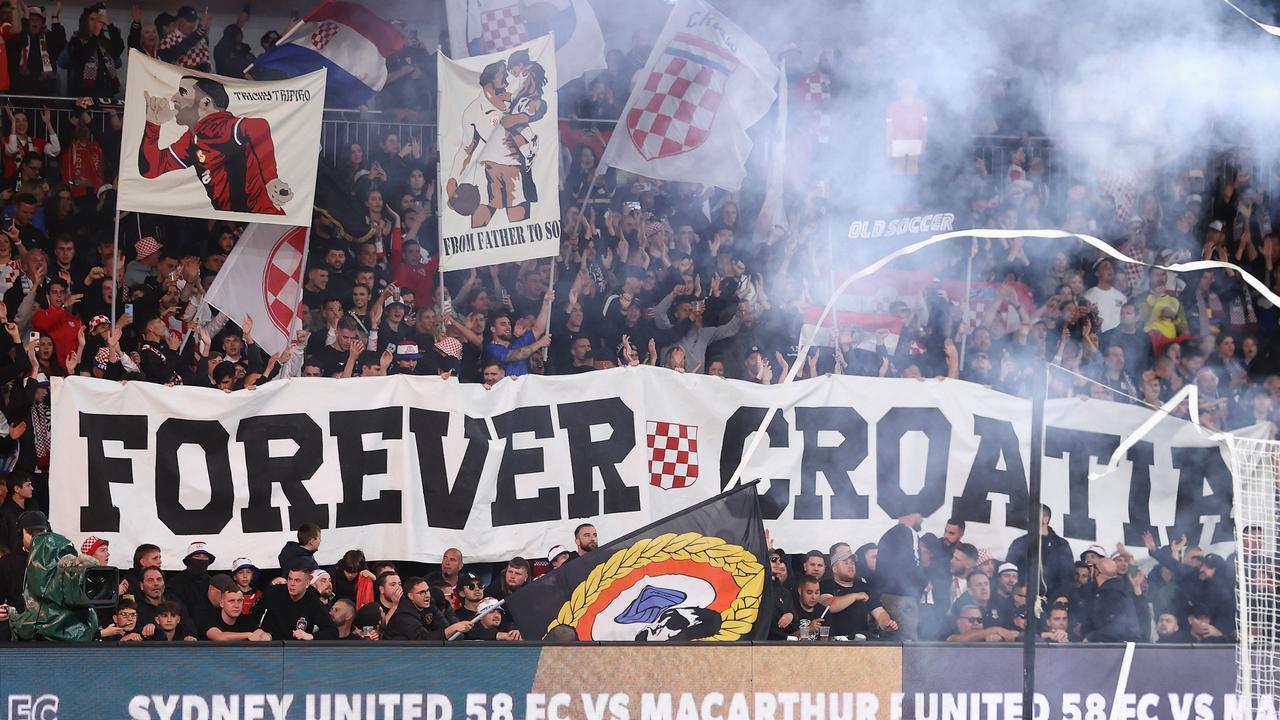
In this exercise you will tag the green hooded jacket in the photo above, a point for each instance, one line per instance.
(57, 608)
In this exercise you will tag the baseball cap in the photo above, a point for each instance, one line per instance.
(842, 555)
(1216, 225)
(1007, 567)
(1096, 550)
(91, 544)
(466, 578)
(242, 563)
(35, 10)
(485, 605)
(196, 547)
(556, 551)
(33, 520)
(97, 322)
(319, 574)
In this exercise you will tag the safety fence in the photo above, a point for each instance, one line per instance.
(815, 681)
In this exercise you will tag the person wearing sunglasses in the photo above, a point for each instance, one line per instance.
(471, 592)
(969, 628)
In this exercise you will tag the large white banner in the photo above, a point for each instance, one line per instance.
(406, 467)
(499, 157)
(201, 145)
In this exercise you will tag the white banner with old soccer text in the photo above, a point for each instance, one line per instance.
(201, 145)
(405, 467)
(499, 157)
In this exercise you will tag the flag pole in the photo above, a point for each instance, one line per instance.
(968, 291)
(115, 262)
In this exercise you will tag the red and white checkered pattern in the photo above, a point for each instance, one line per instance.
(675, 108)
(323, 34)
(195, 58)
(673, 454)
(282, 281)
(815, 94)
(502, 28)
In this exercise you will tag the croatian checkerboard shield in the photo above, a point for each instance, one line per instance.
(502, 28)
(282, 278)
(678, 102)
(673, 454)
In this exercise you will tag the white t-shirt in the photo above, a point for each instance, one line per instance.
(1109, 303)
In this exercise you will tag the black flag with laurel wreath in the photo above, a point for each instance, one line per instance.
(697, 575)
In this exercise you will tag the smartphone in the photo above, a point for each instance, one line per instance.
(128, 310)
(33, 336)
(630, 207)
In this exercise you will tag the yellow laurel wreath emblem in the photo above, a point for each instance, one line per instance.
(748, 573)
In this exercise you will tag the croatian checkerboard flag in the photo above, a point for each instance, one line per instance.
(705, 84)
(262, 278)
(348, 39)
(481, 27)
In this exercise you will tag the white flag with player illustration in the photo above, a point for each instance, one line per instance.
(706, 82)
(499, 157)
(201, 145)
(262, 279)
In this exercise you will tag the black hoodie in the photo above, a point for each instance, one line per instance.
(291, 551)
(281, 615)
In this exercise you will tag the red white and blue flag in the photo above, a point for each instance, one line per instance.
(348, 39)
(706, 82)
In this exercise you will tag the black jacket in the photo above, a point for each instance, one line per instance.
(1110, 616)
(898, 567)
(281, 615)
(410, 623)
(1058, 562)
(292, 551)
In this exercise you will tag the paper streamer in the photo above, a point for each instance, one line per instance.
(1268, 28)
(994, 234)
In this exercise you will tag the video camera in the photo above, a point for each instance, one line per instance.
(62, 589)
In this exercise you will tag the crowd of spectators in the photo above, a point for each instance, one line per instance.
(661, 273)
(911, 587)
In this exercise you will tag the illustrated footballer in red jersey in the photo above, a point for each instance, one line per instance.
(233, 157)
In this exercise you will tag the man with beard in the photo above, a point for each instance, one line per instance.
(234, 157)
(514, 352)
(586, 539)
(901, 579)
(849, 600)
(416, 618)
(1168, 631)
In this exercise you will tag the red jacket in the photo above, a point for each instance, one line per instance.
(63, 327)
(82, 168)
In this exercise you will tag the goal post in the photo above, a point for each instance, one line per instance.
(1255, 471)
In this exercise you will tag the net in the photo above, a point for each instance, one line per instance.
(1255, 467)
